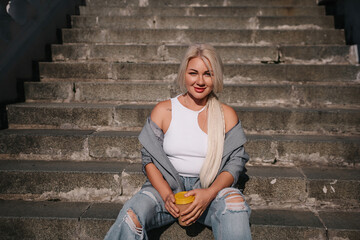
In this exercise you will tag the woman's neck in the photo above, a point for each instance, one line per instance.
(194, 103)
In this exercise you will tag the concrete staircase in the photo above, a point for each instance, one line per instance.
(70, 157)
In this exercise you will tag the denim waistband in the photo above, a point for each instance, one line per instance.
(188, 182)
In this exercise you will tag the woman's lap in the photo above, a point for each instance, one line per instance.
(228, 207)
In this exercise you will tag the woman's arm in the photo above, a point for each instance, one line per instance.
(230, 116)
(223, 180)
(161, 185)
(204, 196)
(161, 116)
(238, 157)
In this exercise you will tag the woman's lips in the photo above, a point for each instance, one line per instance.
(199, 90)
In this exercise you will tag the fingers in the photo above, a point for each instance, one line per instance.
(171, 207)
(172, 211)
(190, 193)
(192, 217)
(172, 198)
(189, 209)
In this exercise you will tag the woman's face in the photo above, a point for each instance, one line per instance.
(198, 79)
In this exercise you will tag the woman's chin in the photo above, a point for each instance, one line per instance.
(199, 95)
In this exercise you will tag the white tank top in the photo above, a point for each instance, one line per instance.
(185, 143)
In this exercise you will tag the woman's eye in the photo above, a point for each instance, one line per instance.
(192, 73)
(207, 74)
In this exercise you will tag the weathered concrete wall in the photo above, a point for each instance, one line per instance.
(27, 28)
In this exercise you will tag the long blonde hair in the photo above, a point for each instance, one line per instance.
(215, 117)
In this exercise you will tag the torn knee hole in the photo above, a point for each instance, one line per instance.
(234, 198)
(235, 202)
(227, 191)
(134, 218)
(133, 222)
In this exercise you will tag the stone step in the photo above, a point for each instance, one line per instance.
(59, 220)
(97, 92)
(204, 3)
(336, 54)
(86, 145)
(233, 73)
(254, 95)
(186, 36)
(263, 187)
(244, 11)
(132, 117)
(180, 22)
(69, 181)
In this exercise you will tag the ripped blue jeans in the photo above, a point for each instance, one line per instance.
(227, 215)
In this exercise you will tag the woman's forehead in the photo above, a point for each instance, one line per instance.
(198, 62)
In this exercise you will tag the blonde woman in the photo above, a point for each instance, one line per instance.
(191, 143)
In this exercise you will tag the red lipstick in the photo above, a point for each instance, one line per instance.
(199, 90)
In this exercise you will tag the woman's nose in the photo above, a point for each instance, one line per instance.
(200, 80)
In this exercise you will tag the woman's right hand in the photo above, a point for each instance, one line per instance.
(169, 201)
(161, 185)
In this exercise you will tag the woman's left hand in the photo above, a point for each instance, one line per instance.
(203, 198)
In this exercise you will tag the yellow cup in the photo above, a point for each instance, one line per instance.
(182, 203)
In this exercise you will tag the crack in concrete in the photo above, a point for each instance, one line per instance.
(113, 121)
(74, 88)
(312, 208)
(316, 213)
(305, 179)
(83, 213)
(76, 92)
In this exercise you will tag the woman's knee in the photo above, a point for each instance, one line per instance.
(231, 208)
(134, 218)
(131, 219)
(138, 210)
(127, 224)
(234, 200)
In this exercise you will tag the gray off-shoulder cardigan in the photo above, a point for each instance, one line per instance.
(151, 137)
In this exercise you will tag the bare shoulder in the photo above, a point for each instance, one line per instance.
(161, 114)
(230, 116)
